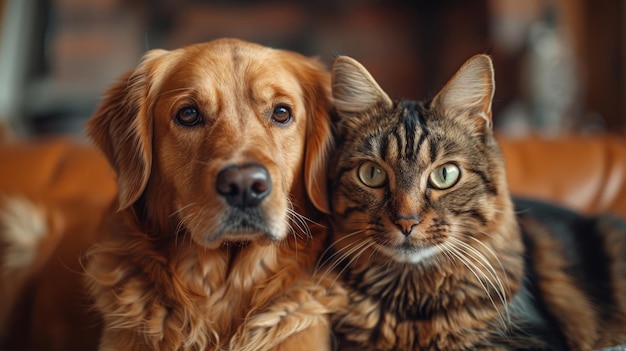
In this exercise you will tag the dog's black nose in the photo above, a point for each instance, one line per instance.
(244, 186)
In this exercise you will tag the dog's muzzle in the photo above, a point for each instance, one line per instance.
(244, 186)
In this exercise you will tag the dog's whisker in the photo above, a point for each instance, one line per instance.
(299, 222)
(182, 209)
(307, 219)
(297, 219)
(181, 225)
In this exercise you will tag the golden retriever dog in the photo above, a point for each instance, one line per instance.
(219, 150)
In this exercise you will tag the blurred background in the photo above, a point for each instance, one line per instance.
(560, 64)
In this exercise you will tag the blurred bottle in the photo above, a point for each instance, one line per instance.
(553, 83)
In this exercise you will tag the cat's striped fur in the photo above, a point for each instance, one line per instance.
(426, 242)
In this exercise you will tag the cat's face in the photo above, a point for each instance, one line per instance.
(410, 182)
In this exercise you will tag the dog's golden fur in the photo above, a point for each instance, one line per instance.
(171, 270)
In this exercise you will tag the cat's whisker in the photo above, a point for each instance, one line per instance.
(498, 211)
(332, 261)
(361, 249)
(390, 263)
(496, 258)
(475, 270)
(352, 251)
(344, 253)
(492, 253)
(478, 255)
(323, 259)
(486, 264)
(448, 255)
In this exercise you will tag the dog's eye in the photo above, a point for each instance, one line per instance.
(188, 116)
(281, 114)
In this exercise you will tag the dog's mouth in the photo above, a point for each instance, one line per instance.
(243, 225)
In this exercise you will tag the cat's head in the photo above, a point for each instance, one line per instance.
(413, 180)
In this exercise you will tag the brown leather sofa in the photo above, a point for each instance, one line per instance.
(75, 185)
(42, 307)
(584, 173)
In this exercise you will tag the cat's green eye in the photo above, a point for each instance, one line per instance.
(371, 174)
(445, 176)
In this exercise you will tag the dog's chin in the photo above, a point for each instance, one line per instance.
(240, 238)
(239, 228)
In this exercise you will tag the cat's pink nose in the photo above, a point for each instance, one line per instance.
(407, 223)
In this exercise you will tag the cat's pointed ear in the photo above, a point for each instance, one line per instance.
(354, 88)
(469, 93)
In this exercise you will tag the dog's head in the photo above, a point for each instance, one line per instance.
(221, 140)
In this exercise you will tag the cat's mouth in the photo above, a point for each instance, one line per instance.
(408, 253)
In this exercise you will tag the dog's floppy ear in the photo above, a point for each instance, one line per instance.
(122, 128)
(316, 87)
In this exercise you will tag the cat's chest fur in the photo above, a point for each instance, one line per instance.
(418, 306)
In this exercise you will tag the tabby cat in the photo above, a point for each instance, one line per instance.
(431, 250)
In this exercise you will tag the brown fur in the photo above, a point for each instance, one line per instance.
(443, 267)
(611, 330)
(559, 289)
(168, 272)
(588, 322)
